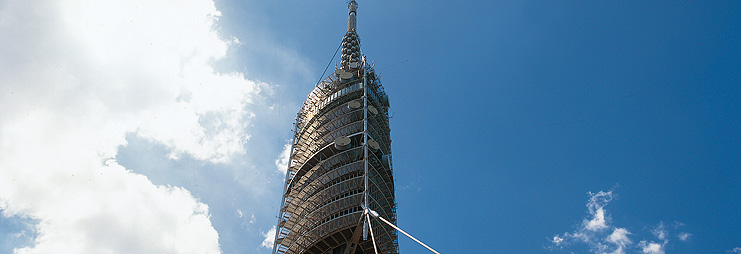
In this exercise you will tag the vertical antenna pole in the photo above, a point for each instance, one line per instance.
(352, 6)
(365, 148)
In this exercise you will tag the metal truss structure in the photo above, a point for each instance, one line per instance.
(340, 164)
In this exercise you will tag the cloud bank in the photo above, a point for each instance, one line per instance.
(77, 76)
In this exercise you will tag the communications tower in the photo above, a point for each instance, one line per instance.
(340, 168)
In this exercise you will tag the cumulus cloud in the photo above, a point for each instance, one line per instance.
(281, 163)
(77, 76)
(601, 237)
(620, 238)
(596, 206)
(651, 247)
(593, 229)
(269, 238)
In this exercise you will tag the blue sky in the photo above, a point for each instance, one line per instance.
(518, 127)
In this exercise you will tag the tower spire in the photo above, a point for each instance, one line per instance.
(352, 7)
(351, 42)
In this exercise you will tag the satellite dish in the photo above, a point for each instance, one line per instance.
(373, 144)
(354, 104)
(342, 143)
(346, 75)
(339, 71)
(372, 109)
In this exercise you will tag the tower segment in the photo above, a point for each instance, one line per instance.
(351, 41)
(340, 163)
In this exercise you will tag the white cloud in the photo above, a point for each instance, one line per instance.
(619, 237)
(600, 237)
(75, 77)
(660, 231)
(269, 238)
(251, 220)
(678, 224)
(596, 206)
(557, 240)
(592, 230)
(281, 164)
(651, 247)
(598, 221)
(684, 236)
(736, 250)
